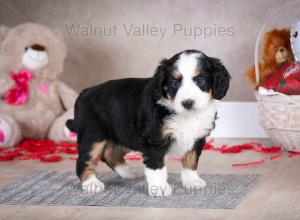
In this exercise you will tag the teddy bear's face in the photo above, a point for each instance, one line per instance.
(278, 48)
(33, 47)
(35, 57)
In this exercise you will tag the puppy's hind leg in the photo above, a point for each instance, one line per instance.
(89, 154)
(113, 156)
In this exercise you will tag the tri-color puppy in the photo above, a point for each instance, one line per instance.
(169, 113)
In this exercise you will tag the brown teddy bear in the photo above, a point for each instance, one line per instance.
(277, 51)
(33, 102)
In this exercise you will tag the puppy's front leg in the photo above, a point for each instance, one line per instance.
(156, 176)
(189, 175)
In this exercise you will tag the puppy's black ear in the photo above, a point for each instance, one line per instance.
(221, 79)
(159, 77)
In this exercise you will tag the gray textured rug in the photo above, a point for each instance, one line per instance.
(63, 188)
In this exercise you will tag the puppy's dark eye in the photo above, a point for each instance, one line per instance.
(200, 81)
(175, 83)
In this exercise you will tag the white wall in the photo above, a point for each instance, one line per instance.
(238, 120)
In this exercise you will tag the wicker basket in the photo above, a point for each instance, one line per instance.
(280, 117)
(279, 114)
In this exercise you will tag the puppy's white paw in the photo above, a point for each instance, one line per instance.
(92, 185)
(126, 171)
(157, 182)
(196, 183)
(159, 190)
(191, 180)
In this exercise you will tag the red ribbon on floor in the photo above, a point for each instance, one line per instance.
(294, 153)
(224, 149)
(43, 150)
(258, 147)
(48, 151)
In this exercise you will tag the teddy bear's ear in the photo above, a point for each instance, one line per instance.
(3, 32)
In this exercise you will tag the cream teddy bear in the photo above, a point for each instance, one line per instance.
(33, 102)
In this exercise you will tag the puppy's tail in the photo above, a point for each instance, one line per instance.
(71, 124)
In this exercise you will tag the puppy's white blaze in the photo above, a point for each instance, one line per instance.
(188, 127)
(157, 182)
(187, 64)
(92, 185)
(125, 171)
(190, 179)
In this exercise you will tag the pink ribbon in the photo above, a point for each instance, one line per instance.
(19, 93)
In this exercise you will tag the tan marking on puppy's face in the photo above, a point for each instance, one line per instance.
(175, 74)
(167, 94)
(210, 94)
(190, 160)
(166, 132)
(169, 97)
(91, 164)
(197, 72)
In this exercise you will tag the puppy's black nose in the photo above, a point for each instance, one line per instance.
(188, 104)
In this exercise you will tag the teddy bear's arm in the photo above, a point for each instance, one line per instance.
(265, 71)
(67, 95)
(5, 83)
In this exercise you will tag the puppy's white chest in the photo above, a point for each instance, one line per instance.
(188, 127)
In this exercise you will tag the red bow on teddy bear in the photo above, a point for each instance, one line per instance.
(18, 94)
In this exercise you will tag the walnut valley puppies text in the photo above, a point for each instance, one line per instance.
(149, 30)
